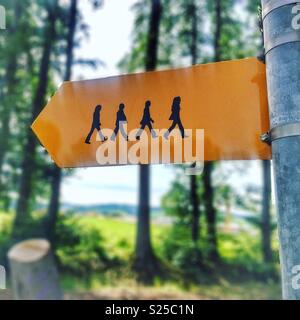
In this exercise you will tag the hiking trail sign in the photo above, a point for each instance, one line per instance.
(228, 100)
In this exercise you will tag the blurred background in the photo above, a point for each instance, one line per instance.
(202, 237)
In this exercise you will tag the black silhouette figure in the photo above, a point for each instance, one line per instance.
(146, 122)
(120, 123)
(175, 117)
(96, 125)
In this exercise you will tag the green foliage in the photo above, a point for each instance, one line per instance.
(232, 38)
(80, 247)
(135, 60)
(5, 235)
(176, 202)
(94, 244)
(95, 251)
(181, 252)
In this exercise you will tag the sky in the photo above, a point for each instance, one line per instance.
(110, 39)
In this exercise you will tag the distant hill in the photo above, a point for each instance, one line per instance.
(107, 209)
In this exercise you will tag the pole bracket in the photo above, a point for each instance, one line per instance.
(275, 4)
(292, 36)
(280, 132)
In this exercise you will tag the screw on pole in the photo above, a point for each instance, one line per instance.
(282, 49)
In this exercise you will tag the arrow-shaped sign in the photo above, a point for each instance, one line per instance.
(228, 100)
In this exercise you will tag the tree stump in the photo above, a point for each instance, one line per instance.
(33, 271)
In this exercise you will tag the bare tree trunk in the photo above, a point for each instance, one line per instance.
(218, 31)
(210, 211)
(33, 271)
(146, 264)
(195, 209)
(194, 43)
(208, 167)
(56, 171)
(153, 36)
(53, 208)
(28, 163)
(193, 179)
(266, 217)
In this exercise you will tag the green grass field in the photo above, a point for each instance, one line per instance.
(119, 234)
(117, 239)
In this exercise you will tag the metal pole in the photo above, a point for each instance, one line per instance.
(282, 45)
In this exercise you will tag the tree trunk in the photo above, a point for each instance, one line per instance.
(33, 271)
(57, 172)
(194, 42)
(195, 209)
(28, 163)
(208, 167)
(210, 211)
(53, 208)
(218, 31)
(146, 264)
(193, 179)
(153, 36)
(266, 217)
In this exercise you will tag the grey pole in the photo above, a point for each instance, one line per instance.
(282, 47)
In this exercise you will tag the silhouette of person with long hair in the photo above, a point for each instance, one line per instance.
(120, 123)
(175, 117)
(96, 125)
(146, 122)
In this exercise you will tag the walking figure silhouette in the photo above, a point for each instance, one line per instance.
(96, 125)
(120, 123)
(146, 122)
(175, 117)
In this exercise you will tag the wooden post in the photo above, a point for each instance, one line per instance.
(33, 271)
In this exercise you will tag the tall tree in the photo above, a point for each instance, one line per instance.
(266, 229)
(15, 45)
(227, 44)
(210, 210)
(10, 83)
(191, 11)
(56, 174)
(29, 151)
(146, 263)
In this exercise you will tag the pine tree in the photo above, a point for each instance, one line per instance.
(56, 174)
(227, 44)
(29, 151)
(16, 42)
(146, 263)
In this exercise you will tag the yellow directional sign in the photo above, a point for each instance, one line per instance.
(128, 119)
